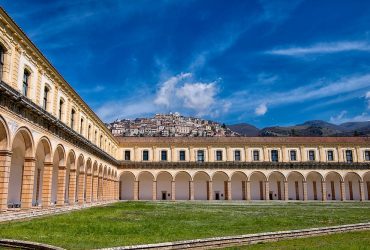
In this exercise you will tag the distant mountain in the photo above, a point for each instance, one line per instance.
(244, 129)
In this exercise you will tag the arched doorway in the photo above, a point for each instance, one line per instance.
(352, 186)
(239, 186)
(70, 178)
(314, 186)
(127, 180)
(333, 186)
(258, 186)
(295, 186)
(182, 183)
(276, 186)
(164, 186)
(202, 187)
(6, 158)
(145, 186)
(221, 186)
(58, 161)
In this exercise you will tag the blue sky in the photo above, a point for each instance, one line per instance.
(262, 62)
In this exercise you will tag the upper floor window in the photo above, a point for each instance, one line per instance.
(145, 155)
(46, 96)
(127, 155)
(237, 155)
(164, 155)
(73, 113)
(61, 104)
(26, 79)
(200, 156)
(82, 126)
(182, 155)
(367, 155)
(274, 155)
(89, 132)
(101, 141)
(2, 61)
(349, 157)
(218, 155)
(330, 155)
(293, 155)
(311, 155)
(96, 136)
(256, 155)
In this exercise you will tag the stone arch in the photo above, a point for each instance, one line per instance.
(352, 182)
(239, 185)
(183, 184)
(4, 135)
(58, 162)
(70, 179)
(22, 167)
(258, 182)
(333, 182)
(221, 186)
(276, 181)
(366, 183)
(164, 185)
(315, 182)
(126, 185)
(202, 189)
(43, 156)
(296, 185)
(145, 179)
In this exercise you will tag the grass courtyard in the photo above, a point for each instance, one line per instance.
(129, 223)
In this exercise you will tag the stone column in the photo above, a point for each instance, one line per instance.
(154, 191)
(104, 189)
(286, 191)
(95, 187)
(61, 185)
(100, 188)
(323, 190)
(81, 188)
(342, 191)
(362, 190)
(248, 191)
(46, 184)
(88, 187)
(210, 190)
(27, 182)
(305, 197)
(72, 187)
(173, 190)
(5, 161)
(229, 193)
(267, 190)
(191, 189)
(136, 190)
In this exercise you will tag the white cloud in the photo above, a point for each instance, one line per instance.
(261, 109)
(342, 118)
(322, 48)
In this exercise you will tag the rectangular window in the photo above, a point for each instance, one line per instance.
(330, 155)
(293, 155)
(200, 156)
(26, 76)
(311, 155)
(127, 155)
(82, 126)
(256, 155)
(73, 118)
(45, 100)
(237, 155)
(349, 157)
(145, 155)
(2, 52)
(164, 155)
(218, 155)
(274, 156)
(60, 109)
(367, 155)
(182, 155)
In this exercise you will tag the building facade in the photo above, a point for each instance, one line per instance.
(55, 151)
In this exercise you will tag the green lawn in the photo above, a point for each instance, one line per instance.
(352, 240)
(128, 223)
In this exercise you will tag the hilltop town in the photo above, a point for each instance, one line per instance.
(169, 125)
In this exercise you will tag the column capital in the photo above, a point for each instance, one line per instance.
(62, 167)
(29, 159)
(72, 170)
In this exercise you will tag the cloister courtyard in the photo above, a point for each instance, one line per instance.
(140, 222)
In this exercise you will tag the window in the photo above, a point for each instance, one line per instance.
(101, 141)
(182, 155)
(82, 126)
(293, 155)
(26, 79)
(127, 155)
(311, 155)
(89, 132)
(2, 53)
(218, 155)
(367, 155)
(330, 155)
(237, 155)
(200, 156)
(274, 155)
(145, 155)
(45, 100)
(256, 155)
(73, 113)
(349, 157)
(164, 155)
(61, 102)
